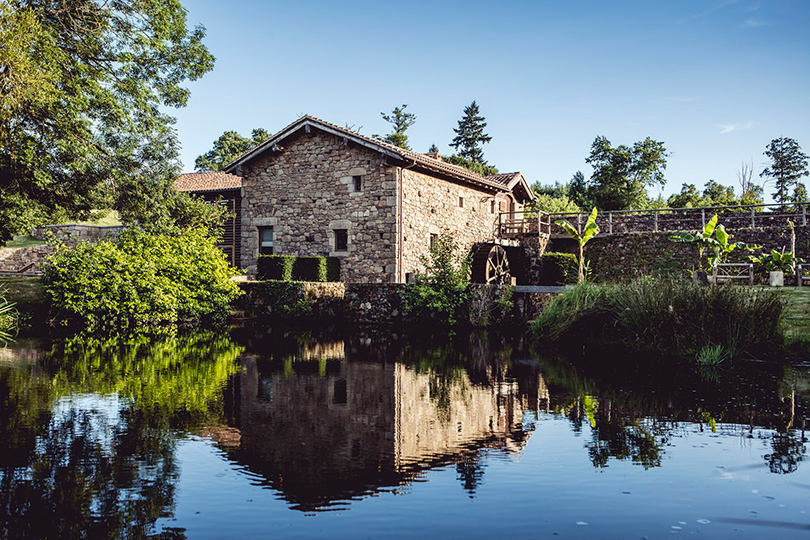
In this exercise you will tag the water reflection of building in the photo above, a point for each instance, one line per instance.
(331, 430)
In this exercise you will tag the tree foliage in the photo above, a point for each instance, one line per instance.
(401, 121)
(82, 85)
(622, 174)
(481, 168)
(229, 146)
(470, 135)
(139, 280)
(788, 166)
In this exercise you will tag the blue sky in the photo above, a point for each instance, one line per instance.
(715, 80)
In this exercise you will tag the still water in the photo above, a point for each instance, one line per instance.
(285, 435)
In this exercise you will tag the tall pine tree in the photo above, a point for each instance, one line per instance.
(401, 121)
(788, 166)
(470, 135)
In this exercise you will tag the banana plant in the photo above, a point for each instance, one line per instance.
(591, 229)
(714, 239)
(785, 261)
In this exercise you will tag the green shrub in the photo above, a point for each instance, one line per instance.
(664, 315)
(315, 269)
(277, 267)
(332, 269)
(139, 280)
(558, 268)
(284, 299)
(439, 295)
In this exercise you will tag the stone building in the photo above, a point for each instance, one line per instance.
(315, 188)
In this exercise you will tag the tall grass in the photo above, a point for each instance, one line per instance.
(659, 314)
(8, 317)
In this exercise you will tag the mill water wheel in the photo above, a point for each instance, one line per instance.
(491, 265)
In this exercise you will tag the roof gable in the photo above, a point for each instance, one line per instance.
(307, 123)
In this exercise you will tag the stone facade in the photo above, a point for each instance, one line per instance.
(431, 205)
(307, 191)
(73, 233)
(314, 187)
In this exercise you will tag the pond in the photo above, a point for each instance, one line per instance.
(262, 434)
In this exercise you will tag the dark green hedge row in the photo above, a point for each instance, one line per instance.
(288, 268)
(558, 268)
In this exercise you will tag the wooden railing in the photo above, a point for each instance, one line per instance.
(684, 219)
(520, 224)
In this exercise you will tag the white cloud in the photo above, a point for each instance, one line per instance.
(753, 23)
(740, 126)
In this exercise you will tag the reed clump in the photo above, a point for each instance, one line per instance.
(664, 315)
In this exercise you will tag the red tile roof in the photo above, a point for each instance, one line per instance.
(503, 179)
(207, 181)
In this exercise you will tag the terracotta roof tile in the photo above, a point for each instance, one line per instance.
(502, 178)
(207, 181)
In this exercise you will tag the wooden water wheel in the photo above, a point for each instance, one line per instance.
(491, 265)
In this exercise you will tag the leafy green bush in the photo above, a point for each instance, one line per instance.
(664, 315)
(139, 280)
(558, 268)
(284, 299)
(439, 294)
(278, 267)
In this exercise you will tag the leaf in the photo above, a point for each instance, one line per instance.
(708, 229)
(568, 228)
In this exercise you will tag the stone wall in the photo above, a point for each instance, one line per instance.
(621, 257)
(371, 304)
(431, 205)
(73, 233)
(306, 191)
(15, 259)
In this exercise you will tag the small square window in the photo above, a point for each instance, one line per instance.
(341, 239)
(358, 183)
(434, 238)
(266, 240)
(460, 201)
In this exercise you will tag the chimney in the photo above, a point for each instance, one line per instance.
(434, 155)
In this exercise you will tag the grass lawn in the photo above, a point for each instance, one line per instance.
(797, 313)
(23, 240)
(23, 290)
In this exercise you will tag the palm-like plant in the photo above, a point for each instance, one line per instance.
(715, 239)
(785, 261)
(591, 229)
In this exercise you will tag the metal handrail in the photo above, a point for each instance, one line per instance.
(799, 210)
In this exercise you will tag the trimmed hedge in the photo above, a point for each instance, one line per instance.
(558, 268)
(288, 268)
(277, 267)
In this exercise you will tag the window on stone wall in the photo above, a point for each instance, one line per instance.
(341, 239)
(492, 206)
(265, 240)
(358, 183)
(434, 238)
(502, 206)
(460, 201)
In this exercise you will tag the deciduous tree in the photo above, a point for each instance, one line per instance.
(229, 146)
(83, 84)
(622, 174)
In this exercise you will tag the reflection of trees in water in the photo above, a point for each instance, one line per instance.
(86, 465)
(788, 451)
(634, 413)
(470, 471)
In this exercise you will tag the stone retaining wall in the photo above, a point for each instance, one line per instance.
(73, 233)
(621, 257)
(372, 304)
(15, 259)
